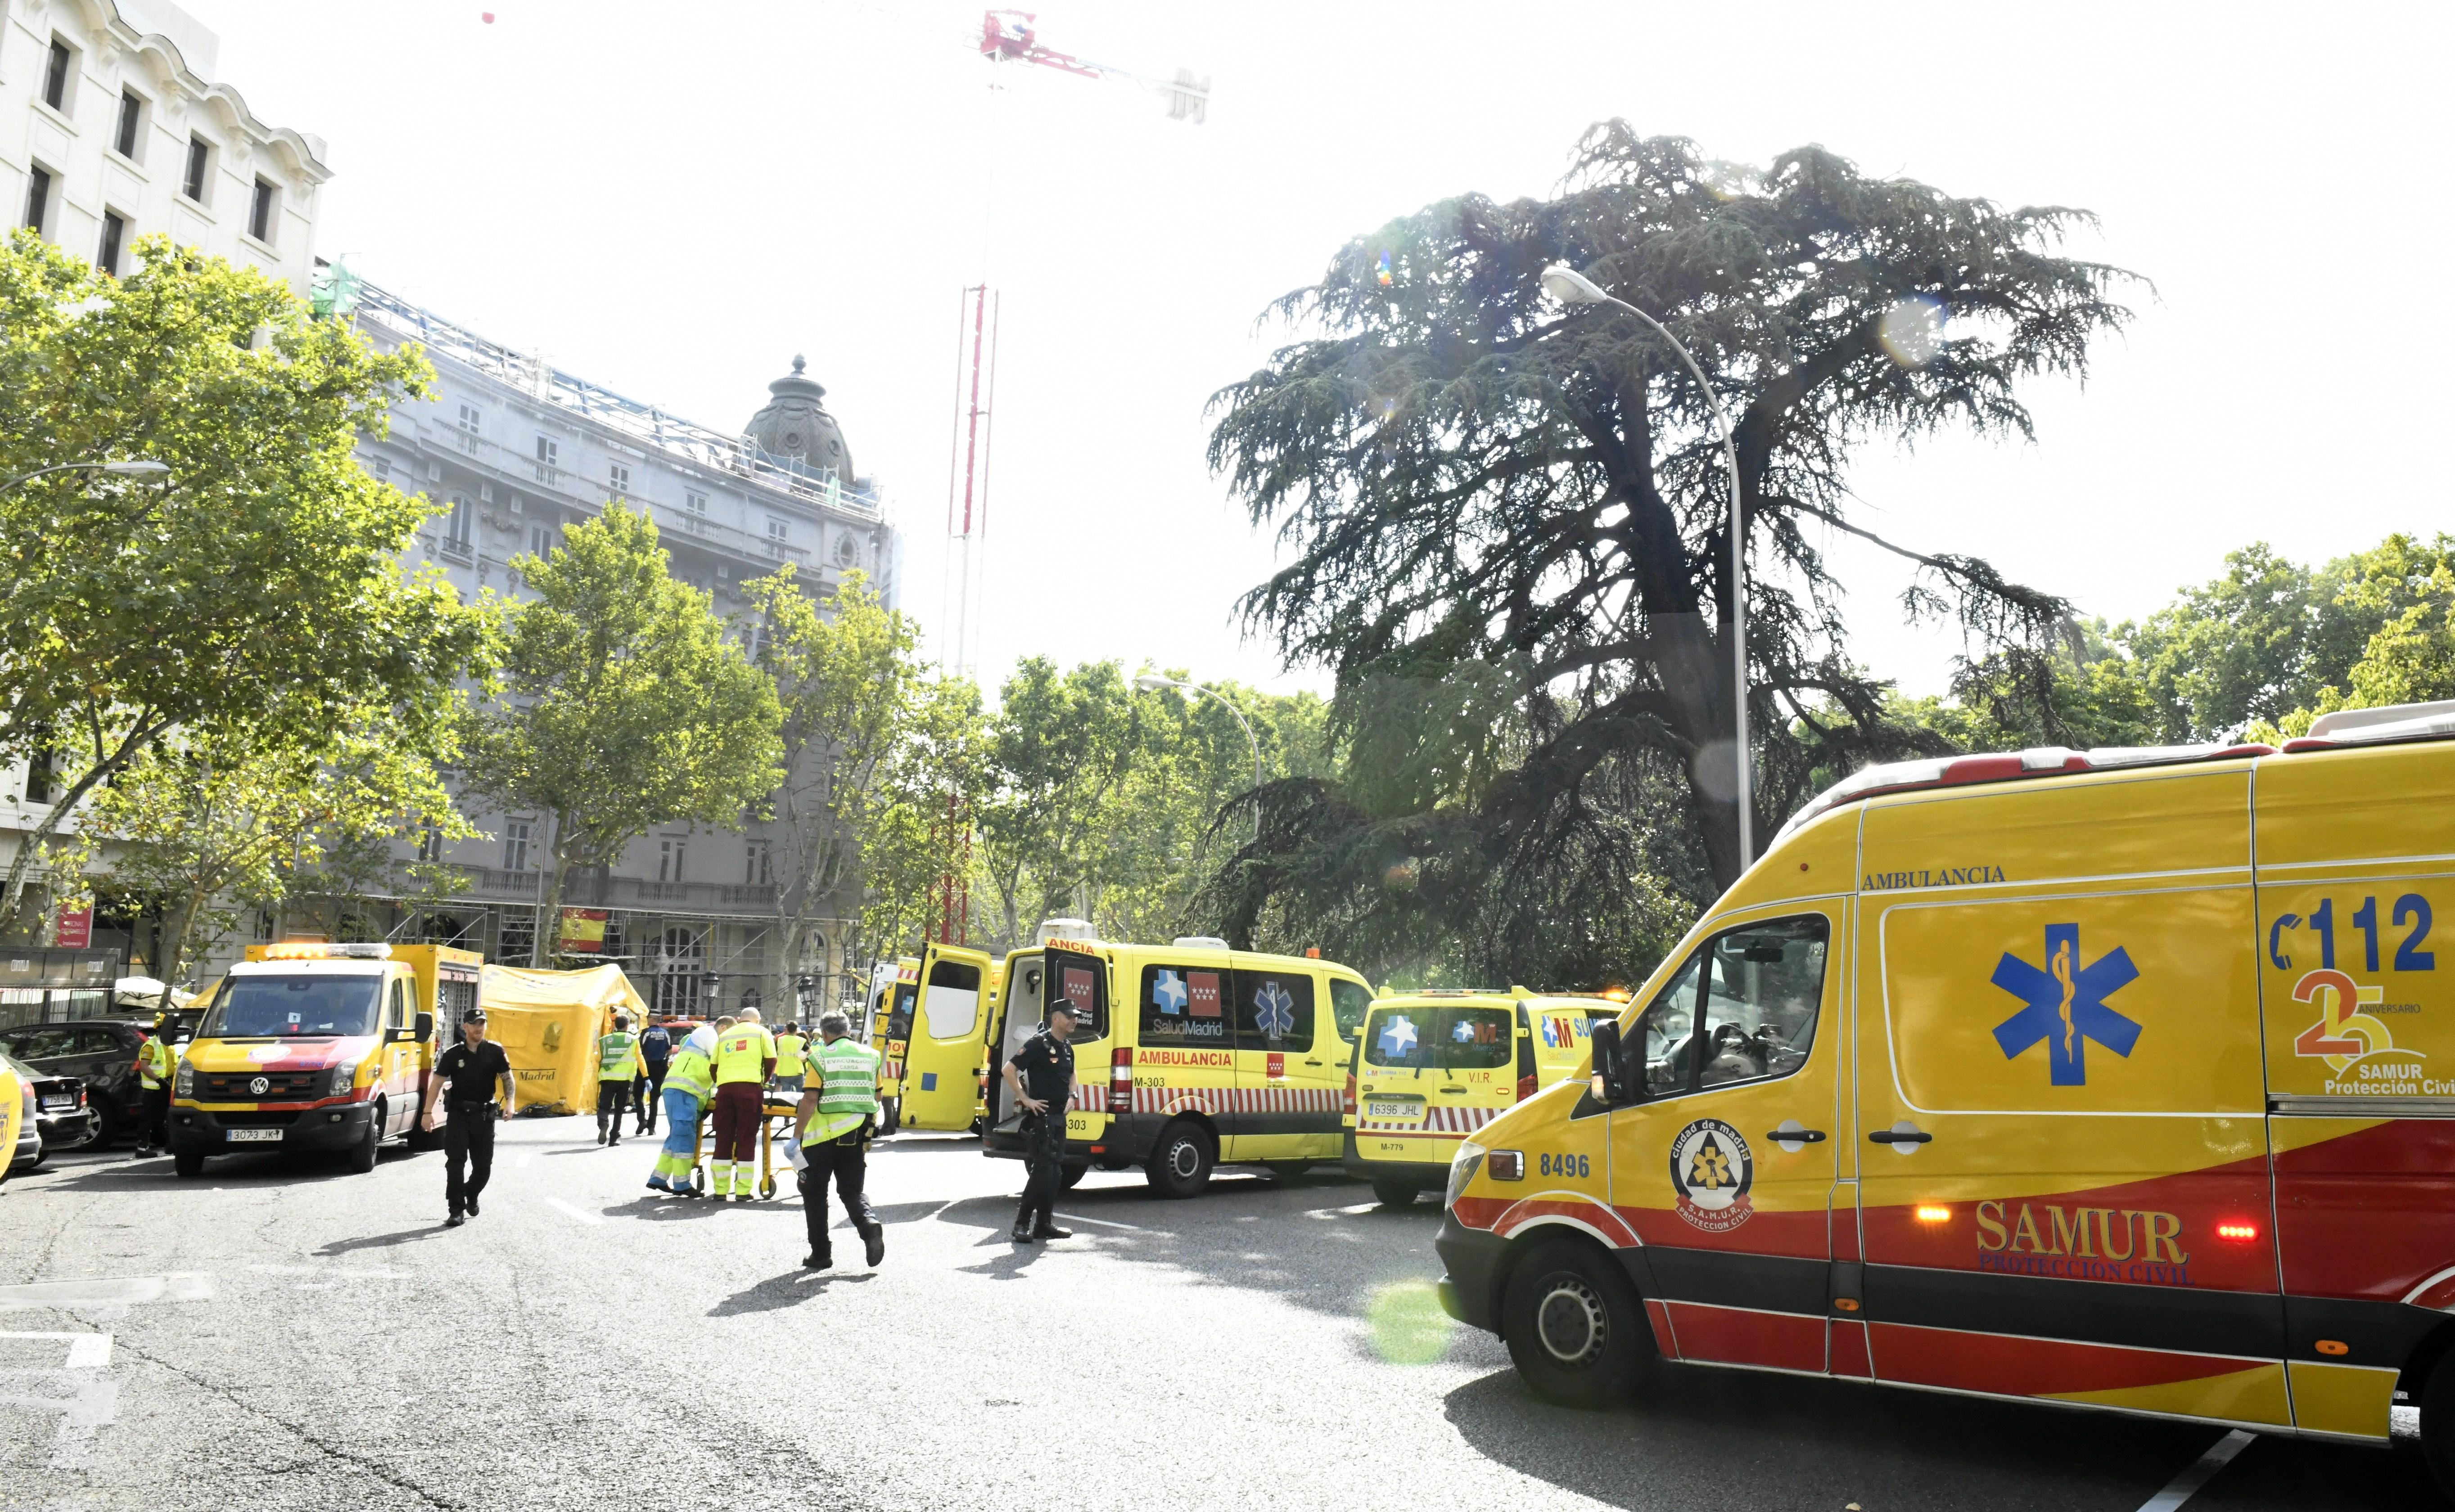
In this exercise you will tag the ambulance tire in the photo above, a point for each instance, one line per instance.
(1573, 1325)
(1393, 1191)
(2438, 1424)
(1074, 1173)
(187, 1164)
(362, 1155)
(1180, 1162)
(890, 1115)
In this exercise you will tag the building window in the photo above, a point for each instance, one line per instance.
(546, 464)
(617, 479)
(694, 501)
(56, 74)
(755, 870)
(130, 133)
(669, 858)
(381, 468)
(429, 844)
(543, 539)
(38, 198)
(455, 527)
(516, 844)
(472, 423)
(778, 532)
(38, 776)
(198, 177)
(259, 211)
(114, 230)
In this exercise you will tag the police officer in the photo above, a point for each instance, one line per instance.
(833, 1124)
(745, 1057)
(618, 1060)
(157, 1067)
(790, 1067)
(1041, 1075)
(474, 1069)
(687, 1080)
(656, 1048)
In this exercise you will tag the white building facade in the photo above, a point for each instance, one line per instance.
(112, 127)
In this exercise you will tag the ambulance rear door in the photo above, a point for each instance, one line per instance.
(1017, 1019)
(942, 1052)
(1081, 977)
(2061, 1136)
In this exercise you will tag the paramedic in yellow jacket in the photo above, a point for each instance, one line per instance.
(745, 1057)
(618, 1065)
(689, 1083)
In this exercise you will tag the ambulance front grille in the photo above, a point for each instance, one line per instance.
(239, 1086)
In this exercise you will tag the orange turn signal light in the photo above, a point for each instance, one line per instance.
(2235, 1229)
(1932, 1213)
(1846, 1304)
(2333, 1346)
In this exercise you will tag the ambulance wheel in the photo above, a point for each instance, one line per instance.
(1180, 1163)
(362, 1155)
(2438, 1424)
(1394, 1193)
(890, 1115)
(1074, 1173)
(189, 1164)
(1573, 1325)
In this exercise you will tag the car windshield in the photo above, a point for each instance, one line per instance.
(284, 1007)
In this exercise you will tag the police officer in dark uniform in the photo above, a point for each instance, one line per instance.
(1041, 1075)
(656, 1048)
(474, 1069)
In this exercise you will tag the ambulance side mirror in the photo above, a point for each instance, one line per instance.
(425, 1026)
(1611, 1078)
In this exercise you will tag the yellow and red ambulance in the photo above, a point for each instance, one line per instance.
(1432, 1067)
(1187, 1055)
(894, 987)
(2122, 1078)
(945, 1038)
(312, 1046)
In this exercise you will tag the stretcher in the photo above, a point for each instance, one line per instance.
(777, 1111)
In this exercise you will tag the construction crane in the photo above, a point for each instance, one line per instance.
(1005, 36)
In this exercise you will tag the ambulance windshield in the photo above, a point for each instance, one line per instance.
(286, 1007)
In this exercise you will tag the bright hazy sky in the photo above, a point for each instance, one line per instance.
(674, 199)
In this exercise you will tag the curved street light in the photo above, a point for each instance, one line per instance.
(1570, 287)
(1153, 682)
(142, 467)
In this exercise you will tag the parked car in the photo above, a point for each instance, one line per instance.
(61, 1117)
(99, 1052)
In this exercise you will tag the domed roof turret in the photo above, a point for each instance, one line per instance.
(796, 430)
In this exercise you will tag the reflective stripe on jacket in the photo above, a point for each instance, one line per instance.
(848, 1090)
(742, 1053)
(688, 1071)
(788, 1055)
(617, 1053)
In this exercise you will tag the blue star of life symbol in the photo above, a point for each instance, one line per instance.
(1463, 1032)
(2066, 1005)
(1169, 991)
(1397, 1037)
(1274, 1012)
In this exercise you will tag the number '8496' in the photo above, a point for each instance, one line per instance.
(1565, 1165)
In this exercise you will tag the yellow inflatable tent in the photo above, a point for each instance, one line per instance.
(547, 1022)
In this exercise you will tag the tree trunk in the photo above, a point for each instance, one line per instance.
(549, 924)
(1696, 678)
(790, 931)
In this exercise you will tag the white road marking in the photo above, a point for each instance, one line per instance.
(2197, 1473)
(1077, 1218)
(178, 1286)
(85, 1351)
(522, 1162)
(581, 1214)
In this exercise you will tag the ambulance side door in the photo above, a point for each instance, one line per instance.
(1274, 1034)
(396, 1082)
(1726, 1169)
(1186, 1044)
(942, 1050)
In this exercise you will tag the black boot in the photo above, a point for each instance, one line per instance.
(874, 1246)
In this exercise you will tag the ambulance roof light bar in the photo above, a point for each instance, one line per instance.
(303, 950)
(2402, 721)
(1946, 772)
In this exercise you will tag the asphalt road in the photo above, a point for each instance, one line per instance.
(285, 1334)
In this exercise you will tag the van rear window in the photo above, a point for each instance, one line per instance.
(1448, 1039)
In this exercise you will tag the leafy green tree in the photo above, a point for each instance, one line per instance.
(254, 593)
(847, 679)
(205, 825)
(625, 705)
(935, 783)
(1465, 475)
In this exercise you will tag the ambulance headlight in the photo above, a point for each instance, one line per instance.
(1462, 1168)
(184, 1084)
(344, 1078)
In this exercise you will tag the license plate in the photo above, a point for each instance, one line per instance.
(1395, 1112)
(253, 1136)
(58, 1104)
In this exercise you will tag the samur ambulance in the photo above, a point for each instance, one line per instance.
(1187, 1055)
(1432, 1067)
(2119, 1079)
(944, 1038)
(316, 1047)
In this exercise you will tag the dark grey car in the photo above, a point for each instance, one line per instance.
(99, 1052)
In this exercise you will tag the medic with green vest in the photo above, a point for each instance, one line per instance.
(833, 1124)
(690, 1080)
(791, 1060)
(617, 1062)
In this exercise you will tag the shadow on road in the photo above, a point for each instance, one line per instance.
(407, 1236)
(789, 1290)
(116, 1174)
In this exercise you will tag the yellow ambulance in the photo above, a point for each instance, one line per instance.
(1432, 1067)
(894, 986)
(945, 1038)
(316, 1047)
(1189, 1055)
(2122, 1078)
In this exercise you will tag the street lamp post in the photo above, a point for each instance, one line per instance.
(1153, 682)
(1570, 287)
(142, 467)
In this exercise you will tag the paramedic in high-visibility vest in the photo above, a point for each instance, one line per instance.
(157, 1066)
(617, 1062)
(791, 1060)
(833, 1124)
(745, 1057)
(689, 1082)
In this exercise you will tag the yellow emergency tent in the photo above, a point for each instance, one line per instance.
(547, 1022)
